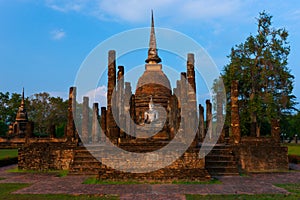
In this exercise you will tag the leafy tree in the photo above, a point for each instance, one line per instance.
(265, 82)
(46, 111)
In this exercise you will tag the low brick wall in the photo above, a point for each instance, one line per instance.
(188, 167)
(46, 156)
(261, 154)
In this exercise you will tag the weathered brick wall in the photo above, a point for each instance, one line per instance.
(188, 167)
(44, 156)
(261, 154)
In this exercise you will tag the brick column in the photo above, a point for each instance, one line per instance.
(132, 115)
(220, 119)
(85, 121)
(95, 124)
(235, 118)
(71, 129)
(275, 130)
(208, 118)
(111, 124)
(120, 99)
(201, 128)
(128, 94)
(103, 124)
(191, 93)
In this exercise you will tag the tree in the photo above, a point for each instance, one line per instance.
(9, 105)
(265, 82)
(46, 111)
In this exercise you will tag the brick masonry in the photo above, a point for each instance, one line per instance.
(43, 156)
(261, 154)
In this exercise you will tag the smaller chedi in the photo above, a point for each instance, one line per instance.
(21, 127)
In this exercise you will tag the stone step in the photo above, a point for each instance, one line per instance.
(217, 171)
(210, 164)
(215, 158)
(220, 161)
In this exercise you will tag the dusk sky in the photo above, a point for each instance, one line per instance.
(44, 42)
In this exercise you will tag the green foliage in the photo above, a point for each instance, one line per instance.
(290, 124)
(9, 105)
(3, 128)
(265, 82)
(46, 111)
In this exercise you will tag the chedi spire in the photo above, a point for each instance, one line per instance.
(153, 58)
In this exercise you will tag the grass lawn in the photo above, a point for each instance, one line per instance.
(293, 188)
(7, 188)
(293, 149)
(8, 153)
(60, 173)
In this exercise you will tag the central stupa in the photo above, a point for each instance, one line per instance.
(153, 83)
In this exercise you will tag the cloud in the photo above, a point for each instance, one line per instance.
(138, 11)
(96, 95)
(58, 34)
(66, 5)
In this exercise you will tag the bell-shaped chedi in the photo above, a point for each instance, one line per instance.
(153, 82)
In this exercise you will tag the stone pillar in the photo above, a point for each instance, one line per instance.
(192, 102)
(128, 94)
(85, 121)
(235, 118)
(95, 124)
(103, 124)
(132, 115)
(111, 124)
(183, 88)
(275, 130)
(71, 129)
(120, 99)
(209, 119)
(201, 128)
(178, 92)
(191, 79)
(220, 119)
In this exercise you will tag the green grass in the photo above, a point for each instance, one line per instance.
(293, 149)
(60, 173)
(293, 188)
(7, 188)
(8, 153)
(93, 180)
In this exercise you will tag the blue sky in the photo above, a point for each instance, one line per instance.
(44, 42)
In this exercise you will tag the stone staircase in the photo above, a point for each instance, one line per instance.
(141, 145)
(221, 162)
(84, 163)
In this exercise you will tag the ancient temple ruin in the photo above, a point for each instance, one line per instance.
(147, 120)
